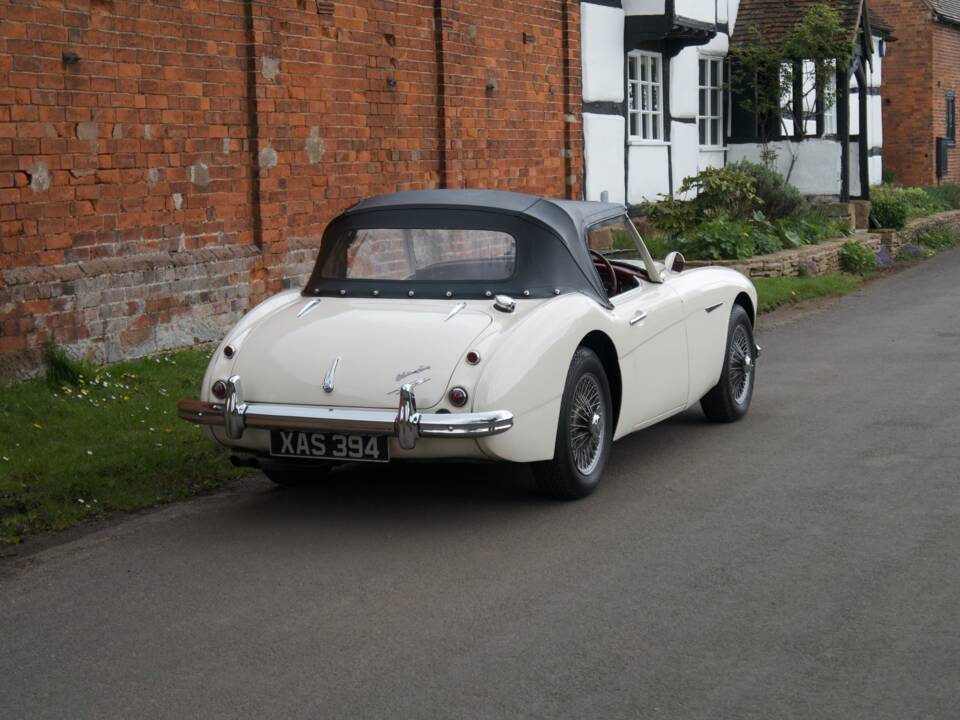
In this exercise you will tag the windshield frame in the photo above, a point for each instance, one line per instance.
(649, 264)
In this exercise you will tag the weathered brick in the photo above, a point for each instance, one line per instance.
(353, 110)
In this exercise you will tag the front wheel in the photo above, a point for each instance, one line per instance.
(729, 399)
(584, 433)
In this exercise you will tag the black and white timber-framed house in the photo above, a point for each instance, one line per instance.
(835, 149)
(657, 107)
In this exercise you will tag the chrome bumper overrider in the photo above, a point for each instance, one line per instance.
(406, 424)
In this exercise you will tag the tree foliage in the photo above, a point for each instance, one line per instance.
(766, 74)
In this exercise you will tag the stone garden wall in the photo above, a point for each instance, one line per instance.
(825, 257)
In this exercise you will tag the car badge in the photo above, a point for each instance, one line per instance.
(415, 383)
(331, 376)
(407, 373)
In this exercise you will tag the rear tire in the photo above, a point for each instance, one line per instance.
(729, 399)
(584, 433)
(292, 475)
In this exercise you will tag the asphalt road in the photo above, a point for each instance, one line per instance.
(804, 563)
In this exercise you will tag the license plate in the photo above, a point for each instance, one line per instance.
(329, 446)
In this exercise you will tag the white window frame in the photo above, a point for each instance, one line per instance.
(712, 112)
(648, 119)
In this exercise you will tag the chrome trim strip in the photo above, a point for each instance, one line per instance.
(456, 308)
(406, 424)
(331, 375)
(308, 307)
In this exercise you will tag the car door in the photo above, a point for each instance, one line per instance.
(654, 354)
(648, 329)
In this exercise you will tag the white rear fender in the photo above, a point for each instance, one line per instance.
(524, 367)
(220, 365)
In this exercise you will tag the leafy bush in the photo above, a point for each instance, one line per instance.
(948, 194)
(720, 192)
(894, 206)
(939, 237)
(778, 197)
(889, 211)
(720, 238)
(728, 218)
(856, 258)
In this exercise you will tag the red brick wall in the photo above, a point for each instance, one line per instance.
(918, 71)
(183, 168)
(946, 77)
(907, 106)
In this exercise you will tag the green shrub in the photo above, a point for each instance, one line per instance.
(720, 192)
(856, 258)
(778, 197)
(889, 210)
(938, 237)
(720, 238)
(948, 194)
(889, 176)
(894, 206)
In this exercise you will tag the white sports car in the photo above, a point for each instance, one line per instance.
(480, 325)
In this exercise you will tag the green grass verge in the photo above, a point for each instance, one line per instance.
(774, 292)
(79, 445)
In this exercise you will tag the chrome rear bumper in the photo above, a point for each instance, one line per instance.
(406, 424)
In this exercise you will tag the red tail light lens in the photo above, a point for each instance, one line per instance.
(219, 389)
(458, 397)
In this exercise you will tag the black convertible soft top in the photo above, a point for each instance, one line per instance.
(552, 254)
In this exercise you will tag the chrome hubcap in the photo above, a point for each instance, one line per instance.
(741, 365)
(587, 425)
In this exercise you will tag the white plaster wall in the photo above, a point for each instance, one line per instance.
(686, 153)
(875, 120)
(603, 154)
(816, 172)
(684, 81)
(644, 7)
(718, 45)
(601, 39)
(703, 10)
(876, 170)
(875, 78)
(854, 113)
(723, 13)
(711, 158)
(649, 173)
(854, 169)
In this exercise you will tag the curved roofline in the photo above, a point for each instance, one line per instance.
(581, 213)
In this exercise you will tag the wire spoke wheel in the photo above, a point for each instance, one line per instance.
(741, 363)
(587, 425)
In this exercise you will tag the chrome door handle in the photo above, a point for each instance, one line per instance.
(639, 317)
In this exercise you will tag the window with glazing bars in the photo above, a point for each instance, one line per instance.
(645, 96)
(710, 118)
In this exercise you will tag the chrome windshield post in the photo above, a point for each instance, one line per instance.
(234, 409)
(408, 419)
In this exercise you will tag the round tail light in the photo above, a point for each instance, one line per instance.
(219, 389)
(458, 397)
(473, 357)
